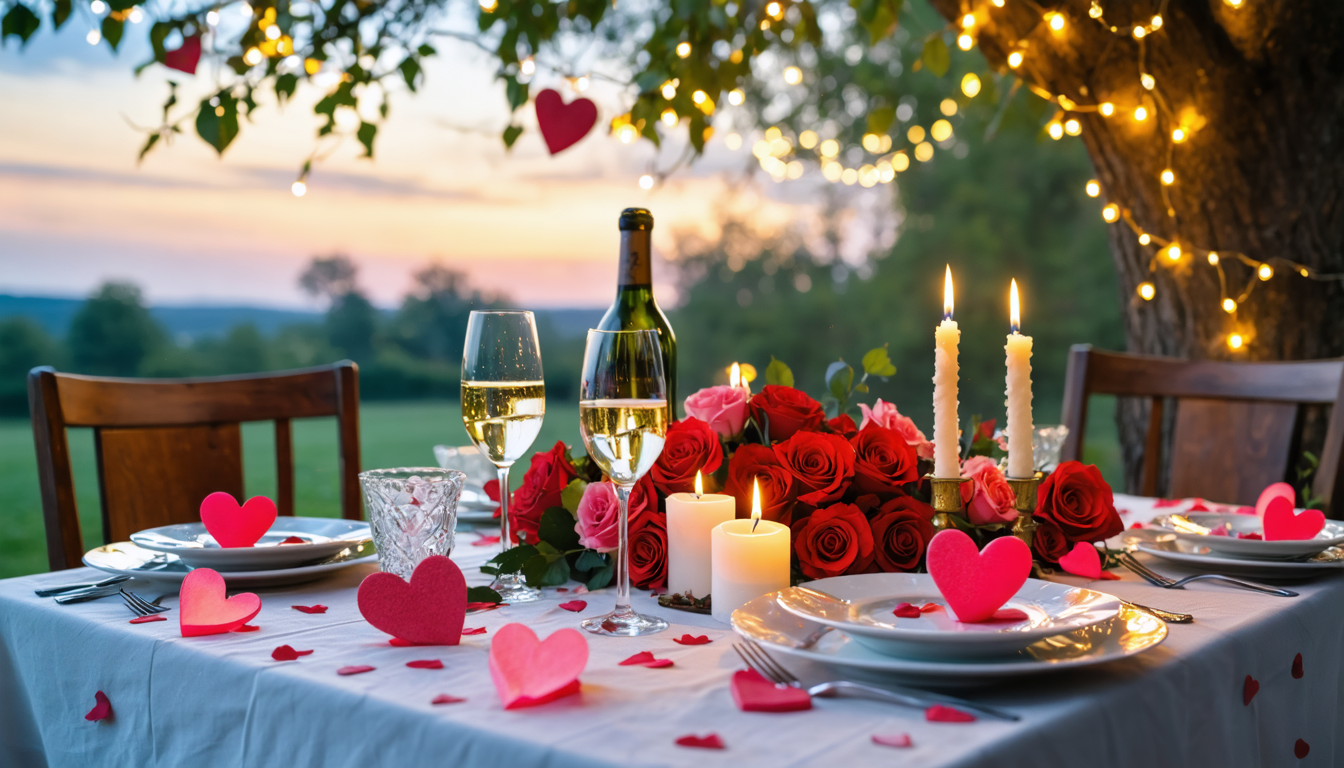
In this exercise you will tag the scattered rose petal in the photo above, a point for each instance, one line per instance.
(1136, 526)
(149, 618)
(709, 741)
(425, 664)
(100, 710)
(930, 608)
(485, 541)
(444, 698)
(247, 628)
(1297, 667)
(397, 642)
(1249, 690)
(1219, 531)
(1301, 749)
(294, 540)
(355, 670)
(907, 611)
(473, 630)
(484, 606)
(582, 589)
(893, 739)
(574, 605)
(1198, 506)
(310, 608)
(1252, 536)
(562, 589)
(1122, 512)
(1160, 503)
(287, 653)
(1009, 614)
(691, 640)
(646, 659)
(941, 714)
(1108, 576)
(1244, 510)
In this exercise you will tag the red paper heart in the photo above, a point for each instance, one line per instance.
(907, 611)
(1301, 749)
(287, 653)
(574, 605)
(893, 740)
(708, 741)
(1274, 491)
(1082, 561)
(754, 693)
(941, 714)
(187, 55)
(235, 526)
(204, 610)
(427, 611)
(977, 583)
(562, 125)
(691, 640)
(645, 659)
(148, 619)
(1297, 667)
(102, 709)
(527, 671)
(425, 664)
(444, 698)
(1249, 690)
(310, 608)
(355, 670)
(1282, 523)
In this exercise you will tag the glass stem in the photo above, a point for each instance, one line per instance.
(505, 541)
(623, 554)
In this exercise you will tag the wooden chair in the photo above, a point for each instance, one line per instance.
(163, 445)
(1237, 426)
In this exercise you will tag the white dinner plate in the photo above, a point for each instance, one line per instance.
(1130, 632)
(125, 558)
(1192, 554)
(863, 605)
(1330, 536)
(323, 538)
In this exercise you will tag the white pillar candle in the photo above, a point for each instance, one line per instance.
(750, 559)
(737, 380)
(946, 441)
(1020, 428)
(691, 518)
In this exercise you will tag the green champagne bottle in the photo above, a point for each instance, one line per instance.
(635, 309)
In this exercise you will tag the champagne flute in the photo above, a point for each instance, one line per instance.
(623, 418)
(503, 404)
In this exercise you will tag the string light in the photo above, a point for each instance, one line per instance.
(683, 49)
(1056, 21)
(299, 189)
(915, 134)
(793, 75)
(733, 141)
(1213, 258)
(1073, 127)
(1055, 130)
(1139, 32)
(1174, 252)
(1235, 341)
(1095, 10)
(527, 66)
(968, 21)
(488, 5)
(1168, 177)
(941, 130)
(1093, 188)
(1229, 306)
(669, 117)
(808, 139)
(970, 85)
(736, 97)
(1110, 213)
(1156, 23)
(774, 10)
(1264, 272)
(1147, 81)
(1145, 239)
(924, 152)
(1178, 135)
(669, 90)
(94, 37)
(98, 6)
(646, 182)
(830, 148)
(1147, 291)
(1234, 3)
(1015, 59)
(252, 57)
(948, 107)
(1140, 114)
(965, 42)
(698, 97)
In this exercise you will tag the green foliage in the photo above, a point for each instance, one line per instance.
(778, 373)
(217, 122)
(483, 595)
(935, 56)
(20, 22)
(113, 333)
(23, 346)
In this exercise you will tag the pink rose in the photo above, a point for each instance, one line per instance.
(884, 414)
(599, 516)
(991, 498)
(723, 408)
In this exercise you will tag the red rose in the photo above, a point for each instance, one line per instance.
(883, 461)
(843, 425)
(1077, 499)
(758, 462)
(821, 465)
(833, 541)
(648, 551)
(901, 530)
(643, 500)
(785, 411)
(546, 477)
(691, 446)
(1048, 541)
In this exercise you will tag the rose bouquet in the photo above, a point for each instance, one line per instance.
(854, 494)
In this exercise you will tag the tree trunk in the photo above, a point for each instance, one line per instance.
(1263, 175)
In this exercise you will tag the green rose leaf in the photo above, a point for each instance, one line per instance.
(878, 363)
(936, 56)
(590, 559)
(60, 12)
(601, 578)
(571, 495)
(840, 379)
(515, 91)
(557, 529)
(483, 595)
(778, 373)
(510, 560)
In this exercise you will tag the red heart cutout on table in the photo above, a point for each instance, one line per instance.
(237, 526)
(1082, 561)
(977, 583)
(427, 611)
(187, 55)
(1274, 491)
(708, 741)
(753, 693)
(527, 671)
(203, 608)
(1249, 690)
(562, 125)
(1283, 523)
(1297, 667)
(288, 653)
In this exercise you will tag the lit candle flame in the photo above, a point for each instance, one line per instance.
(947, 294)
(755, 503)
(699, 485)
(735, 376)
(1015, 310)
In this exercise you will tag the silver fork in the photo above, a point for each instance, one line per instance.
(139, 605)
(756, 658)
(1158, 580)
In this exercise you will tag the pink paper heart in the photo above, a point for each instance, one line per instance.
(203, 608)
(1082, 561)
(425, 664)
(1274, 491)
(427, 611)
(1282, 523)
(562, 125)
(754, 693)
(235, 526)
(527, 671)
(977, 583)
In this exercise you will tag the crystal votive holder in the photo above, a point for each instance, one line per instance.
(413, 512)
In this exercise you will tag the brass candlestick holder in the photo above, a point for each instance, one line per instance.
(1024, 495)
(946, 500)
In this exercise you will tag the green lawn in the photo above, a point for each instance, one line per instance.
(391, 434)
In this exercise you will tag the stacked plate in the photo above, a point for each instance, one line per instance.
(850, 622)
(1190, 540)
(294, 550)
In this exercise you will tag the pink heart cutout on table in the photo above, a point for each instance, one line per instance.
(977, 583)
(203, 608)
(427, 611)
(754, 693)
(1274, 491)
(1082, 561)
(1282, 523)
(528, 671)
(562, 125)
(232, 525)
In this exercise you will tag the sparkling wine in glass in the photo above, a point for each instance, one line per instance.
(503, 404)
(623, 418)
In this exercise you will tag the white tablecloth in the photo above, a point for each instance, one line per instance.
(221, 701)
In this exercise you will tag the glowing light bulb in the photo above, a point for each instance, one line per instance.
(968, 21)
(1093, 188)
(1303, 272)
(1234, 3)
(774, 10)
(849, 176)
(626, 133)
(1139, 32)
(1145, 239)
(808, 139)
(1106, 108)
(1056, 21)
(669, 117)
(272, 32)
(488, 5)
(900, 162)
(527, 66)
(915, 134)
(948, 107)
(1147, 291)
(871, 142)
(669, 90)
(941, 130)
(98, 6)
(136, 15)
(1174, 252)
(1073, 127)
(1168, 177)
(736, 97)
(965, 42)
(94, 37)
(733, 141)
(212, 18)
(1235, 341)
(1110, 213)
(970, 84)
(1140, 114)
(793, 75)
(646, 182)
(299, 189)
(698, 97)
(1178, 135)
(1055, 130)
(1213, 258)
(1156, 23)
(1147, 81)
(252, 57)
(1095, 10)
(683, 48)
(1015, 59)
(1229, 306)
(830, 148)
(1264, 272)
(924, 152)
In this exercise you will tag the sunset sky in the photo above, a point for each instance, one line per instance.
(75, 209)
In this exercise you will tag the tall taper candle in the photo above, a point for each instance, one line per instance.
(946, 441)
(1020, 462)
